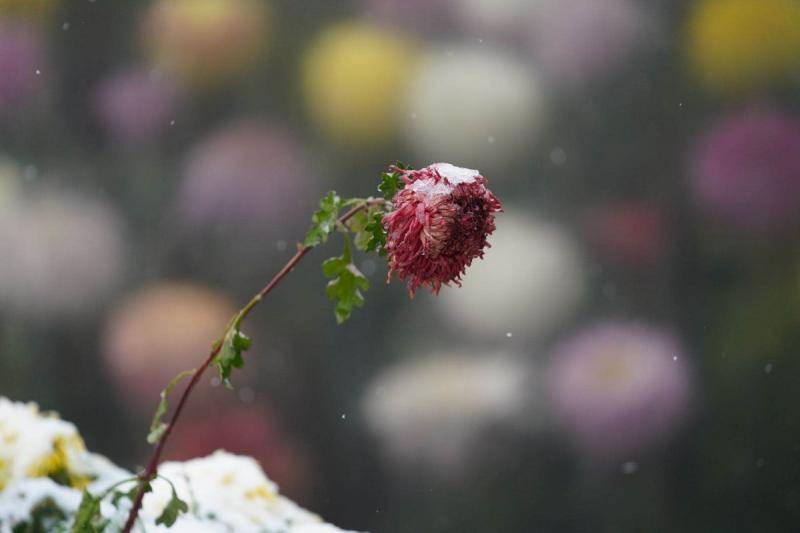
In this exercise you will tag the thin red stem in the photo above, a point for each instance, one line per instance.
(152, 466)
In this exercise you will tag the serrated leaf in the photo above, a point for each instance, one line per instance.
(376, 234)
(391, 183)
(172, 510)
(346, 286)
(323, 222)
(230, 353)
(158, 426)
(88, 518)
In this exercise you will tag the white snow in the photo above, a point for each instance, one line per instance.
(453, 174)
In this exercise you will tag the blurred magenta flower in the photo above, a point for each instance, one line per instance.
(437, 411)
(136, 105)
(21, 62)
(142, 355)
(618, 388)
(438, 224)
(628, 234)
(247, 175)
(65, 254)
(746, 170)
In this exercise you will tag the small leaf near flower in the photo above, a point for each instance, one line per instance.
(157, 426)
(323, 222)
(377, 234)
(346, 286)
(173, 509)
(230, 353)
(391, 182)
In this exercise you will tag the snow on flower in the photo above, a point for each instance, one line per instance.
(438, 224)
(226, 492)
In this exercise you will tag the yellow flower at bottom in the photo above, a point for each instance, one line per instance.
(738, 45)
(354, 77)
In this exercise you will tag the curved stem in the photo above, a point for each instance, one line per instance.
(152, 466)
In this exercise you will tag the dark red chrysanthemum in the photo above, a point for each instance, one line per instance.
(439, 223)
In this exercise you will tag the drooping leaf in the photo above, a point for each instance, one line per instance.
(158, 426)
(230, 353)
(172, 510)
(323, 222)
(346, 286)
(88, 518)
(130, 494)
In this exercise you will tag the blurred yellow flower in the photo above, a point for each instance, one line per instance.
(354, 79)
(206, 42)
(31, 9)
(738, 45)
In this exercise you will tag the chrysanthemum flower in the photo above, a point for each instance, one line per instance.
(439, 223)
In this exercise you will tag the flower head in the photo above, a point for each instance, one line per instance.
(438, 224)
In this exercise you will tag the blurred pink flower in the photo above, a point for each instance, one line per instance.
(633, 234)
(746, 170)
(439, 223)
(135, 105)
(618, 388)
(247, 175)
(21, 62)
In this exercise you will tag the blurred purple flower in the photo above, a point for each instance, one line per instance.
(21, 62)
(410, 14)
(135, 105)
(248, 174)
(618, 388)
(746, 170)
(581, 40)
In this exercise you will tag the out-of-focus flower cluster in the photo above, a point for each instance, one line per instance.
(627, 341)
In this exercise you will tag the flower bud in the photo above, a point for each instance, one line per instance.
(438, 224)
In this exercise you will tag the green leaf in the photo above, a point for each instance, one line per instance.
(158, 426)
(129, 494)
(173, 509)
(347, 283)
(391, 183)
(376, 233)
(88, 518)
(230, 353)
(44, 516)
(323, 222)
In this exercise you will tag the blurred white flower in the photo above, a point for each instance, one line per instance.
(64, 254)
(478, 106)
(529, 281)
(436, 410)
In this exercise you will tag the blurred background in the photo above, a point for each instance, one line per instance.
(625, 357)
